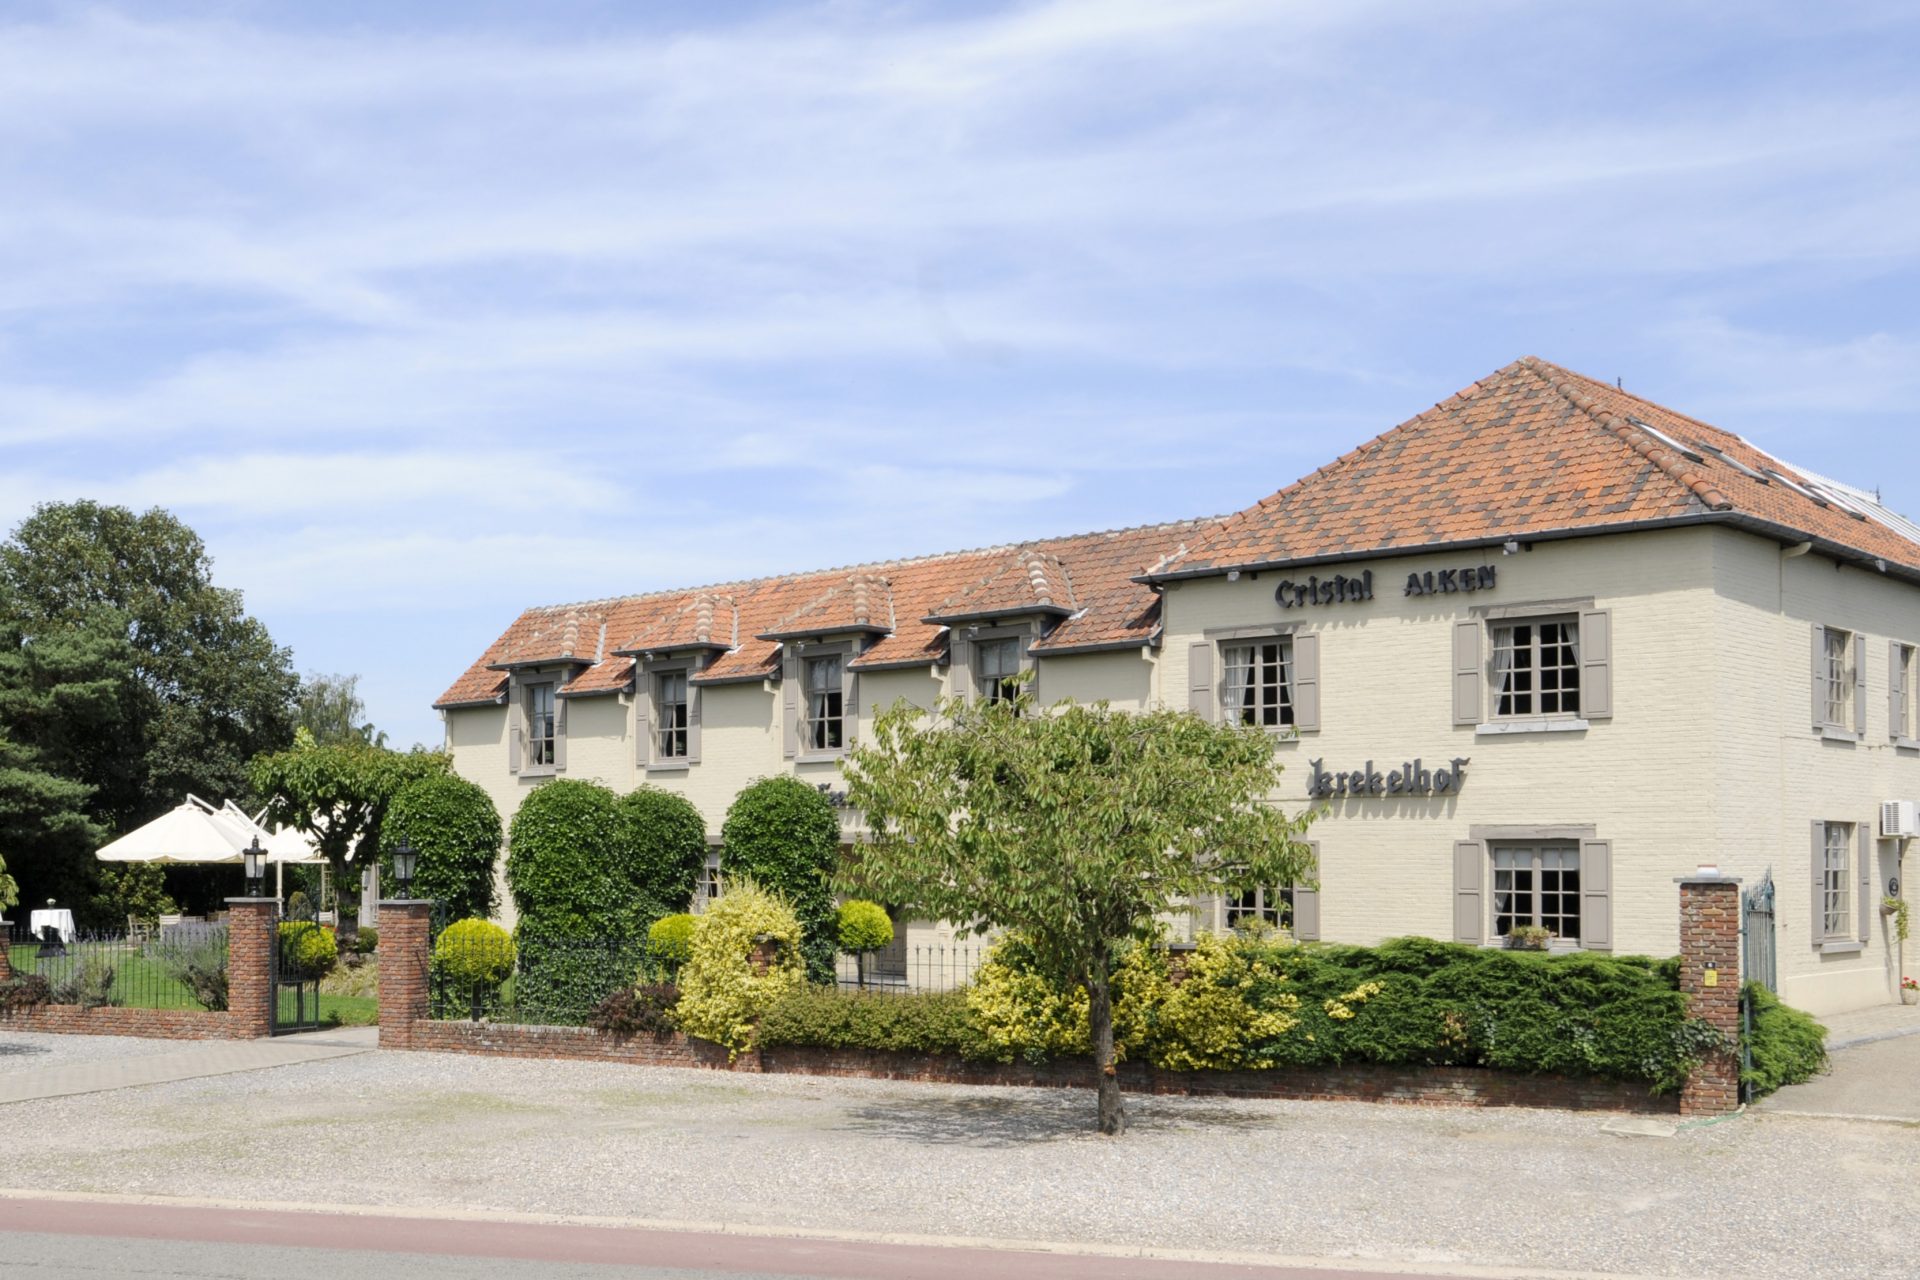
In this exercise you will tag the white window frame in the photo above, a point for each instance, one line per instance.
(1837, 884)
(1271, 905)
(541, 750)
(1841, 678)
(664, 729)
(820, 724)
(1535, 648)
(1541, 858)
(1234, 692)
(996, 686)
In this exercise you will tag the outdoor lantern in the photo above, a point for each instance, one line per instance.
(256, 866)
(403, 856)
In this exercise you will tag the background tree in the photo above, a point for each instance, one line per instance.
(783, 835)
(1075, 829)
(339, 795)
(9, 891)
(209, 688)
(329, 708)
(663, 842)
(67, 702)
(453, 825)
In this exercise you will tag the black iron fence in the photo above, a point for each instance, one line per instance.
(173, 966)
(929, 967)
(556, 981)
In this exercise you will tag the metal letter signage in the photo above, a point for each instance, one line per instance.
(1447, 582)
(1412, 778)
(1339, 589)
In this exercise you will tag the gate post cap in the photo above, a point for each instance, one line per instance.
(1706, 876)
(247, 902)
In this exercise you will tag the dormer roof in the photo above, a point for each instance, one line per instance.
(1030, 581)
(861, 604)
(707, 621)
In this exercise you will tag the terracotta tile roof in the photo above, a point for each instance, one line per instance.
(1092, 573)
(864, 602)
(1537, 450)
(1027, 581)
(707, 621)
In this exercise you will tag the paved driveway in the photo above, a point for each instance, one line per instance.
(1879, 1079)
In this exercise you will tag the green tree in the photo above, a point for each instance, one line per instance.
(784, 836)
(208, 689)
(563, 864)
(1076, 829)
(329, 708)
(67, 698)
(339, 795)
(663, 843)
(9, 888)
(452, 824)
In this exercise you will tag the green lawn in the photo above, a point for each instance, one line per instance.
(335, 1011)
(138, 983)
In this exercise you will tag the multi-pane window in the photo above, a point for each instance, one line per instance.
(671, 706)
(1255, 907)
(1259, 684)
(1536, 668)
(1537, 884)
(826, 709)
(1838, 674)
(540, 725)
(708, 889)
(996, 668)
(1834, 866)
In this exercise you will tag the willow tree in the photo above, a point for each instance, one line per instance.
(1076, 828)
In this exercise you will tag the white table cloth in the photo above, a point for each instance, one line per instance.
(59, 917)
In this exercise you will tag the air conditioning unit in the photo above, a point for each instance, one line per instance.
(1899, 818)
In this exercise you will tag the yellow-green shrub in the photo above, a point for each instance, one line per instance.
(1020, 1012)
(721, 997)
(474, 953)
(1229, 1003)
(864, 927)
(670, 939)
(307, 952)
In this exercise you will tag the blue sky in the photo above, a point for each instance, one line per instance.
(424, 313)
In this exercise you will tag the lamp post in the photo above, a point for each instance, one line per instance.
(256, 859)
(403, 860)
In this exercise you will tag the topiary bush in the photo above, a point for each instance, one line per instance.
(307, 952)
(722, 994)
(863, 927)
(1787, 1045)
(670, 940)
(453, 825)
(663, 847)
(474, 952)
(562, 863)
(783, 834)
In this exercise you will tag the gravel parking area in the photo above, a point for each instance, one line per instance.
(1337, 1180)
(26, 1051)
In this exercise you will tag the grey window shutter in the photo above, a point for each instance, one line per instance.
(849, 701)
(1896, 690)
(1306, 680)
(1596, 895)
(1200, 695)
(1819, 930)
(693, 719)
(1467, 697)
(643, 686)
(790, 702)
(560, 730)
(1031, 662)
(1469, 871)
(1596, 664)
(1819, 676)
(1865, 873)
(1859, 683)
(959, 664)
(1306, 902)
(516, 730)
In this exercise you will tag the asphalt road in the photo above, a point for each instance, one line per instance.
(52, 1239)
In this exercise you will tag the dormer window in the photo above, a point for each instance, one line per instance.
(540, 726)
(996, 668)
(825, 728)
(671, 704)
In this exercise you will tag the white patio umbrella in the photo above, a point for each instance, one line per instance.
(196, 832)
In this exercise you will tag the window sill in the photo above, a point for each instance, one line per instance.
(1842, 948)
(1495, 727)
(1828, 733)
(1906, 744)
(820, 757)
(670, 766)
(544, 771)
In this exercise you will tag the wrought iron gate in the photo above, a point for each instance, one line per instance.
(1756, 962)
(296, 985)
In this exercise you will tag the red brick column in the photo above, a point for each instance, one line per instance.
(6, 961)
(1710, 978)
(250, 943)
(404, 928)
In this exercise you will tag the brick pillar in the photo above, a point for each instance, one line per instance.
(404, 928)
(6, 962)
(250, 943)
(1710, 978)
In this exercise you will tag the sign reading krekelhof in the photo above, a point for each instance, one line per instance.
(1412, 778)
(1340, 589)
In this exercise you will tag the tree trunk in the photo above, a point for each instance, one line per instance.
(1113, 1112)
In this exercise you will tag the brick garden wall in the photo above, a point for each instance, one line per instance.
(1431, 1086)
(160, 1024)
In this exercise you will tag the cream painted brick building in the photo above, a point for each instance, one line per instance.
(1629, 643)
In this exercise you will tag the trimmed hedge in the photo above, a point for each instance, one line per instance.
(1787, 1046)
(663, 847)
(783, 835)
(921, 1022)
(453, 826)
(561, 866)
